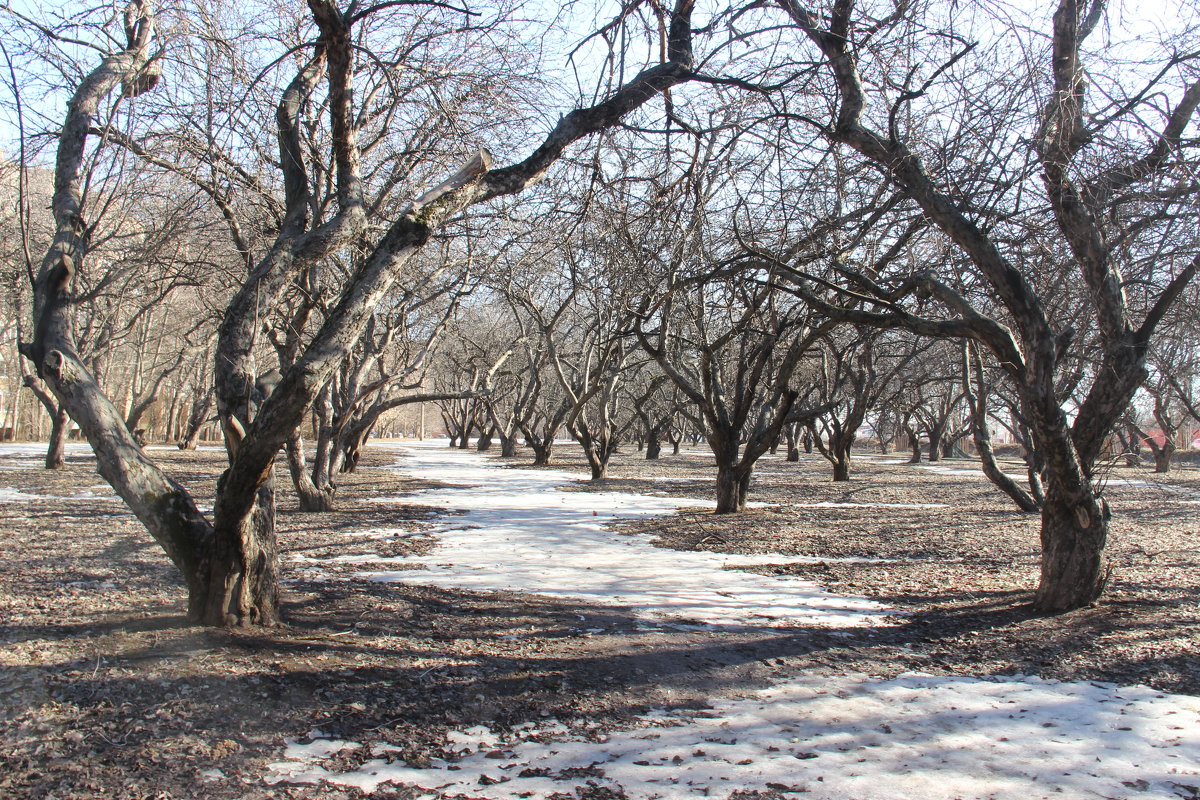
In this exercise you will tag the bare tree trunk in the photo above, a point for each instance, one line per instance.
(653, 447)
(936, 432)
(312, 498)
(542, 450)
(351, 448)
(841, 467)
(987, 457)
(597, 450)
(59, 419)
(1074, 570)
(485, 439)
(169, 418)
(243, 581)
(201, 410)
(733, 486)
(1163, 456)
(914, 443)
(57, 447)
(163, 506)
(324, 455)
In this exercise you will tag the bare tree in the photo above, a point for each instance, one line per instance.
(230, 564)
(1090, 150)
(857, 367)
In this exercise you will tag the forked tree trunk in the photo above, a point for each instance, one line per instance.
(841, 467)
(508, 446)
(542, 450)
(733, 486)
(230, 565)
(597, 450)
(350, 448)
(311, 497)
(935, 445)
(201, 410)
(1162, 452)
(914, 444)
(324, 447)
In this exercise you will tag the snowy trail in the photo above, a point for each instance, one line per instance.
(521, 533)
(914, 737)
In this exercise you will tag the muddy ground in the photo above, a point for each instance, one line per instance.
(105, 691)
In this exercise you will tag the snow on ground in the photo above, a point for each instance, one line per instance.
(915, 737)
(974, 469)
(38, 449)
(522, 533)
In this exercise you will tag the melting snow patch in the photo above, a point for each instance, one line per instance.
(915, 737)
(521, 533)
(8, 495)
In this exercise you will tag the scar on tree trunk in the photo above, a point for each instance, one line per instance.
(1074, 569)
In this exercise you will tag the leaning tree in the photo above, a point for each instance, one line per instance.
(230, 563)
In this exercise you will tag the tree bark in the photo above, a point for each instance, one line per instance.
(914, 444)
(59, 419)
(311, 497)
(201, 409)
(1162, 457)
(653, 447)
(243, 579)
(541, 453)
(841, 468)
(1074, 570)
(57, 447)
(733, 486)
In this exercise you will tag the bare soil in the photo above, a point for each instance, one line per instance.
(106, 691)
